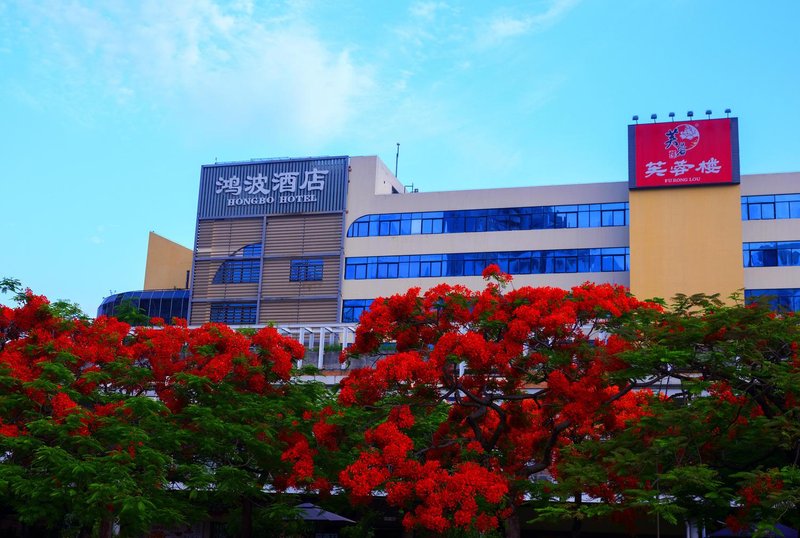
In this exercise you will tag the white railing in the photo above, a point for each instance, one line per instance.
(325, 341)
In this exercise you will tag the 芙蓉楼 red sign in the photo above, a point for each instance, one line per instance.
(674, 154)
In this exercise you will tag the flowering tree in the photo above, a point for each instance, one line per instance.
(100, 425)
(726, 430)
(476, 403)
(76, 426)
(522, 374)
(242, 424)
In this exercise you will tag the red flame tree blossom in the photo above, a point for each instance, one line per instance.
(100, 423)
(522, 374)
(723, 441)
(478, 402)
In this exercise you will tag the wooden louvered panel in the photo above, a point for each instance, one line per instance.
(304, 235)
(201, 313)
(319, 311)
(323, 311)
(276, 283)
(225, 237)
(279, 312)
(323, 234)
(203, 238)
(233, 291)
(201, 279)
(288, 237)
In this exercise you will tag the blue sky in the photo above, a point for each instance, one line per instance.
(108, 109)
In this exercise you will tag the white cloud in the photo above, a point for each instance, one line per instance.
(502, 27)
(430, 28)
(99, 235)
(426, 10)
(214, 64)
(540, 95)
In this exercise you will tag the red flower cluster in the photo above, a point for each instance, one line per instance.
(62, 405)
(754, 495)
(435, 498)
(526, 372)
(215, 352)
(95, 365)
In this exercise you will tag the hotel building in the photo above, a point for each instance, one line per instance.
(315, 240)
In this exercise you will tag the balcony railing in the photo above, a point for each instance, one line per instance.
(323, 342)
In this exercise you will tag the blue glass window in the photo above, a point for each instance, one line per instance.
(779, 299)
(165, 304)
(771, 206)
(238, 271)
(303, 270)
(233, 313)
(524, 262)
(251, 250)
(771, 254)
(353, 308)
(491, 220)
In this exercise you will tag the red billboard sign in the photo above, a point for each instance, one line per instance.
(677, 154)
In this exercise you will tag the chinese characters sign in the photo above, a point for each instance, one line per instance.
(271, 187)
(673, 154)
(282, 182)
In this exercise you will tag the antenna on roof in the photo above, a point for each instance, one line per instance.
(396, 159)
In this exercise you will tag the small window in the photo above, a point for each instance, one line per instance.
(237, 272)
(305, 270)
(233, 313)
(778, 299)
(353, 308)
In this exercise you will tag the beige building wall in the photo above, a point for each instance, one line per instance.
(783, 183)
(370, 192)
(686, 240)
(681, 240)
(486, 241)
(369, 289)
(275, 296)
(771, 230)
(567, 238)
(167, 265)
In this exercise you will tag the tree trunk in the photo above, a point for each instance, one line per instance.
(577, 525)
(577, 522)
(106, 528)
(511, 525)
(247, 518)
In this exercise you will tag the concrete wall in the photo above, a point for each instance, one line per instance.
(686, 240)
(369, 192)
(363, 198)
(771, 230)
(682, 240)
(167, 264)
